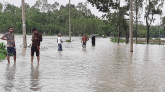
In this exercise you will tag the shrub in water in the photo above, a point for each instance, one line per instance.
(3, 51)
(68, 40)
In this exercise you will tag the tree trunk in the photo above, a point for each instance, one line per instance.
(118, 34)
(127, 37)
(148, 27)
(136, 20)
(131, 27)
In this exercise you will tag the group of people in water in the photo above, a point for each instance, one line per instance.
(36, 39)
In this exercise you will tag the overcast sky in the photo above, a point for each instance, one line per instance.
(61, 2)
(75, 2)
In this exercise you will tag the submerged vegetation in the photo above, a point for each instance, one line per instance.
(3, 51)
(156, 41)
(115, 39)
(68, 40)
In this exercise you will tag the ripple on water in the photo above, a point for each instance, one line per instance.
(105, 67)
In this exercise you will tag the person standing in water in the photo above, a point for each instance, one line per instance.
(36, 39)
(10, 44)
(59, 41)
(84, 40)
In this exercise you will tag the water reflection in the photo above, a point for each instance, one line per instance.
(10, 76)
(23, 51)
(93, 45)
(84, 49)
(34, 81)
(107, 67)
(146, 54)
(131, 56)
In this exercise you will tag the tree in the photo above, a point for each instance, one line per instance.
(152, 8)
(1, 7)
(114, 11)
(42, 5)
(138, 4)
(54, 21)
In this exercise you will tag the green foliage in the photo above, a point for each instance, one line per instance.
(141, 33)
(152, 43)
(3, 51)
(115, 13)
(156, 43)
(68, 40)
(101, 33)
(157, 39)
(153, 7)
(150, 38)
(115, 39)
(141, 43)
(2, 56)
(2, 46)
(50, 20)
(154, 31)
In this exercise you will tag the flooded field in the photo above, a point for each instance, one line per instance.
(105, 67)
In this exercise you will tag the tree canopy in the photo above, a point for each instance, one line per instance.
(53, 19)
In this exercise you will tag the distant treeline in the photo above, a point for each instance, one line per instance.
(53, 19)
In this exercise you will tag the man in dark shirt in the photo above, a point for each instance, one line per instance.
(36, 39)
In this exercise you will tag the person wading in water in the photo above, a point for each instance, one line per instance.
(84, 40)
(10, 44)
(59, 41)
(36, 39)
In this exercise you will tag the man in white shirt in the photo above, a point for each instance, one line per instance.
(59, 41)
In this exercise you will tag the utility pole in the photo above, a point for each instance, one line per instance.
(23, 25)
(131, 27)
(69, 23)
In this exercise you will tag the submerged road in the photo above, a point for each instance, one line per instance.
(105, 67)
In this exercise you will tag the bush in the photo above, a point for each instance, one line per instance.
(2, 46)
(3, 51)
(2, 56)
(68, 40)
(115, 39)
(101, 33)
(157, 39)
(141, 43)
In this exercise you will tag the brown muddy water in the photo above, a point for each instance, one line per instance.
(105, 67)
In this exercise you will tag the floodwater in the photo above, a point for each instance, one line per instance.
(105, 67)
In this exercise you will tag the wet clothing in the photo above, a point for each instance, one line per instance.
(85, 38)
(36, 44)
(39, 39)
(11, 50)
(35, 49)
(10, 37)
(59, 41)
(84, 45)
(59, 47)
(93, 40)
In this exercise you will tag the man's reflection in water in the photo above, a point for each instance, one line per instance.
(34, 78)
(10, 76)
